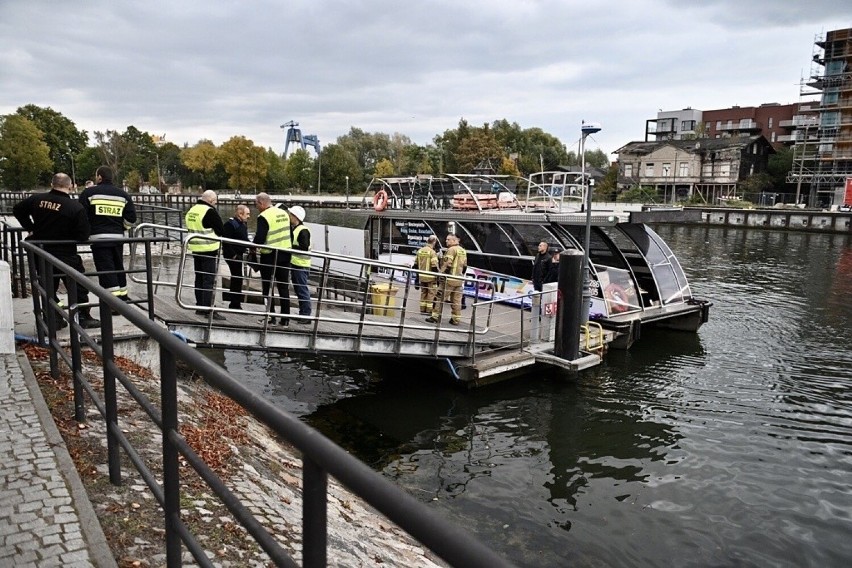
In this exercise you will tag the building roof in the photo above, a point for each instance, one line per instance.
(691, 146)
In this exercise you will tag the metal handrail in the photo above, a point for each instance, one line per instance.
(327, 269)
(320, 456)
(11, 252)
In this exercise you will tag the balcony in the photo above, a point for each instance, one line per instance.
(741, 125)
(800, 122)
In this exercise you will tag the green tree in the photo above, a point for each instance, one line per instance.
(301, 173)
(508, 167)
(244, 162)
(384, 168)
(126, 151)
(780, 164)
(171, 167)
(337, 165)
(133, 180)
(24, 155)
(479, 145)
(61, 136)
(276, 174)
(596, 159)
(202, 159)
(87, 162)
(606, 190)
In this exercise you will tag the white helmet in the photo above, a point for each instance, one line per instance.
(299, 212)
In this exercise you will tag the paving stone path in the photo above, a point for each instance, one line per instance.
(45, 517)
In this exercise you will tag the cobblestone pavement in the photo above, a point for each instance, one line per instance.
(45, 516)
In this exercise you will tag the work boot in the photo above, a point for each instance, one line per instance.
(88, 322)
(218, 316)
(430, 319)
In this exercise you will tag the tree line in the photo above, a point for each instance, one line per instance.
(36, 142)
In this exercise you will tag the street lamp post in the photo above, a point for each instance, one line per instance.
(347, 192)
(585, 130)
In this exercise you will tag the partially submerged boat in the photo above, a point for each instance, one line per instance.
(637, 280)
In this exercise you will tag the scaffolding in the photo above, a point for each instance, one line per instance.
(822, 149)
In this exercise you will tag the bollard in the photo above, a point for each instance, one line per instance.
(7, 316)
(569, 304)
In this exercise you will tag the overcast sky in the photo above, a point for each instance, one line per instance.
(193, 69)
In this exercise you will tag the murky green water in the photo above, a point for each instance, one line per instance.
(729, 447)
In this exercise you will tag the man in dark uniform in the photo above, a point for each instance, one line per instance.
(203, 220)
(541, 266)
(235, 228)
(110, 211)
(54, 216)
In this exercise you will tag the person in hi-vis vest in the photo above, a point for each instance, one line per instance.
(273, 230)
(300, 264)
(202, 219)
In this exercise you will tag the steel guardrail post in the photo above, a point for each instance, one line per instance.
(171, 467)
(110, 400)
(314, 514)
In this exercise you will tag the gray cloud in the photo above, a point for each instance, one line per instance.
(217, 69)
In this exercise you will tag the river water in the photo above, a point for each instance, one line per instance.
(732, 446)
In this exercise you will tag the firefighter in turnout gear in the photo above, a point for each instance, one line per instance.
(451, 284)
(427, 261)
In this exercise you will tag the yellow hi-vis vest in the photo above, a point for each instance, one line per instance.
(455, 263)
(300, 260)
(427, 260)
(193, 219)
(278, 235)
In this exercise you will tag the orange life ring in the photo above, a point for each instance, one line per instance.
(616, 298)
(380, 200)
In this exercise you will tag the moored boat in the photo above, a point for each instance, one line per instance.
(636, 279)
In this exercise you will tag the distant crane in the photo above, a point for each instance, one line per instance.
(294, 134)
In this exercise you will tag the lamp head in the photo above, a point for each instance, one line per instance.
(590, 128)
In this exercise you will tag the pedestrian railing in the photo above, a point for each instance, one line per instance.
(320, 457)
(11, 252)
(366, 294)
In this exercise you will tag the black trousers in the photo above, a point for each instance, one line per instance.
(235, 296)
(276, 265)
(205, 276)
(109, 258)
(74, 261)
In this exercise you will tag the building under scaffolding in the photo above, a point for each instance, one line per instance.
(822, 153)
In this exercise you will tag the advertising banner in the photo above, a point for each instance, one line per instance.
(847, 200)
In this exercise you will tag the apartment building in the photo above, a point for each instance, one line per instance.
(772, 120)
(822, 152)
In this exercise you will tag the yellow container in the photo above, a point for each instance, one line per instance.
(384, 299)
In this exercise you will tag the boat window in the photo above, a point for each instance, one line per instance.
(531, 235)
(601, 248)
(670, 279)
(618, 290)
(492, 238)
